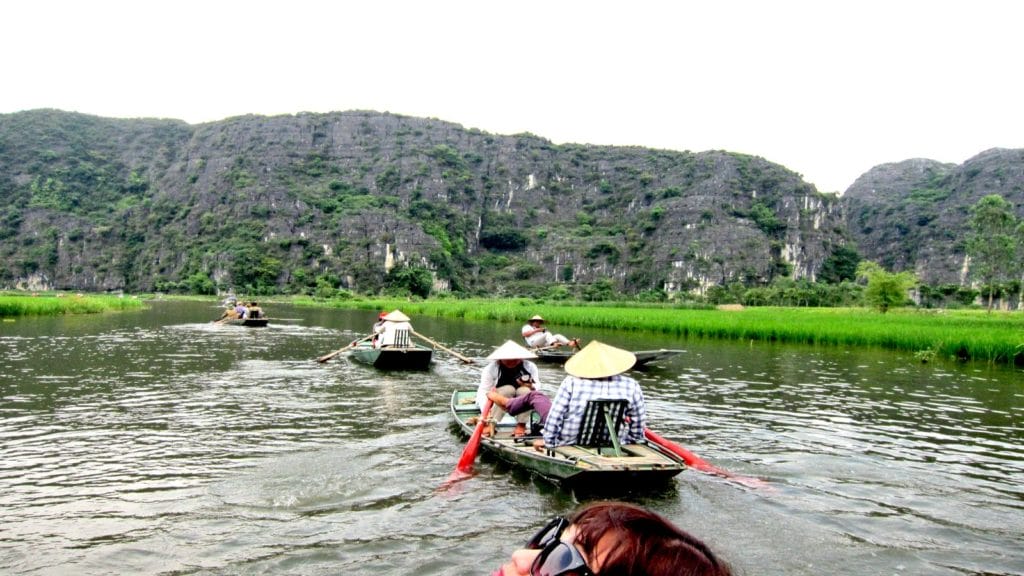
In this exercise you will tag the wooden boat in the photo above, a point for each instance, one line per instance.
(411, 357)
(249, 322)
(575, 466)
(643, 357)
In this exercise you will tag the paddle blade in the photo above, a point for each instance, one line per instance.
(473, 446)
(691, 459)
(698, 463)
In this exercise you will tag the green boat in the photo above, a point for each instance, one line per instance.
(411, 357)
(593, 466)
(643, 357)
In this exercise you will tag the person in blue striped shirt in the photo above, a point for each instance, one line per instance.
(595, 372)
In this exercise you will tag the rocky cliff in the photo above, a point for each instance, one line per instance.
(288, 202)
(914, 215)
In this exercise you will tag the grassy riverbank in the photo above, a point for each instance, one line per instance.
(965, 334)
(54, 304)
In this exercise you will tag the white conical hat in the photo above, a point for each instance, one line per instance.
(599, 360)
(537, 318)
(396, 316)
(511, 351)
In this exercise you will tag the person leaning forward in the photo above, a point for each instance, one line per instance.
(614, 538)
(595, 372)
(510, 374)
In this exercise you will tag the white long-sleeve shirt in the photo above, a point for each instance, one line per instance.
(489, 377)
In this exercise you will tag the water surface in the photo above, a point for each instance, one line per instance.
(155, 442)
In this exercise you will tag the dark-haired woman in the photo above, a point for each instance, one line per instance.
(613, 539)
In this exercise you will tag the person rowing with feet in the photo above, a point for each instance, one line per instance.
(537, 336)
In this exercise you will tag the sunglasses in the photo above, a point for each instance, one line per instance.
(556, 558)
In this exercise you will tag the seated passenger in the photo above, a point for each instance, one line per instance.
(510, 374)
(595, 372)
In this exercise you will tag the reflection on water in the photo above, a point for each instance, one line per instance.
(155, 442)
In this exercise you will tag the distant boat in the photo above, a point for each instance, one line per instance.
(411, 357)
(248, 322)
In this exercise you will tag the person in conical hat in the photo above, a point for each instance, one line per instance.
(394, 329)
(395, 316)
(511, 375)
(537, 336)
(595, 372)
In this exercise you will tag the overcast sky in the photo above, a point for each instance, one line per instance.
(827, 88)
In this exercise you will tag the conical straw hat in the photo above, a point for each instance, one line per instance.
(396, 316)
(599, 360)
(536, 317)
(511, 351)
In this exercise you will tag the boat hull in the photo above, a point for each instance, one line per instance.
(642, 465)
(410, 358)
(248, 322)
(643, 357)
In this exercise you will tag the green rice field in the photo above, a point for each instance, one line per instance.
(53, 304)
(996, 337)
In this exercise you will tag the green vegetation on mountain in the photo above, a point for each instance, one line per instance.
(369, 203)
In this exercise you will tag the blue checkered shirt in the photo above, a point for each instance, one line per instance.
(563, 423)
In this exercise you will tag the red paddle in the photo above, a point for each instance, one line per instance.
(694, 461)
(473, 446)
(465, 465)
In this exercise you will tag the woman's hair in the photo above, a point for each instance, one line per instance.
(645, 543)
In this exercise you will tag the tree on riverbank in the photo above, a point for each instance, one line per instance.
(995, 243)
(885, 289)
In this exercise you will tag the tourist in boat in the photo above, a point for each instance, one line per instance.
(255, 311)
(595, 372)
(241, 311)
(395, 330)
(614, 538)
(378, 327)
(537, 336)
(510, 374)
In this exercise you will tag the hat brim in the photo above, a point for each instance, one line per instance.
(511, 351)
(599, 360)
(396, 316)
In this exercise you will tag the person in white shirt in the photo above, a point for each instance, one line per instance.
(510, 374)
(537, 336)
(394, 330)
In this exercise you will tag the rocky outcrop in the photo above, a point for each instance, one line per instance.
(278, 202)
(914, 215)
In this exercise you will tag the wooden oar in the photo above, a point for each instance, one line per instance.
(327, 357)
(448, 350)
(698, 463)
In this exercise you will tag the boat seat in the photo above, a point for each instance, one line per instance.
(602, 420)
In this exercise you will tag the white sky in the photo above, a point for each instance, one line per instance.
(827, 88)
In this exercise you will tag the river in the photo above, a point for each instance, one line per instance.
(155, 442)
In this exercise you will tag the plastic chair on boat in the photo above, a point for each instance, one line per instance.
(602, 420)
(402, 339)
